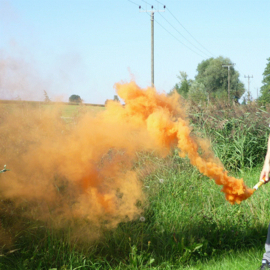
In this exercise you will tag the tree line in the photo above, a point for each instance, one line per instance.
(211, 83)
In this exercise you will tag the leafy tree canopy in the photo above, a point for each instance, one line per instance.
(197, 93)
(265, 89)
(183, 86)
(215, 78)
(75, 99)
(266, 73)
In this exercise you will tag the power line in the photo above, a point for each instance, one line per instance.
(186, 29)
(159, 2)
(133, 3)
(190, 33)
(169, 31)
(139, 5)
(178, 39)
(146, 2)
(183, 35)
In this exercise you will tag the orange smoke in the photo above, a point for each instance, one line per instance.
(84, 170)
(167, 125)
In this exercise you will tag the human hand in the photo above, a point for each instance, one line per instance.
(265, 173)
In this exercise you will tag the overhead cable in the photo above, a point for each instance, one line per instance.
(178, 39)
(169, 31)
(133, 3)
(183, 36)
(190, 33)
(185, 29)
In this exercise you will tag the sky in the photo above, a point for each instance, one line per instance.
(84, 47)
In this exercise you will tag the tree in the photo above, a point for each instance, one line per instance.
(197, 93)
(183, 86)
(47, 99)
(116, 98)
(75, 99)
(215, 78)
(265, 89)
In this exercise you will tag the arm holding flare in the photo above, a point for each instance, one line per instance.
(264, 177)
(266, 167)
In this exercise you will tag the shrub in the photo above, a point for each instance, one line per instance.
(75, 99)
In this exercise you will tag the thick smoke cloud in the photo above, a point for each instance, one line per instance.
(82, 172)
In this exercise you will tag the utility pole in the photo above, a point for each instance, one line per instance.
(249, 77)
(152, 11)
(228, 66)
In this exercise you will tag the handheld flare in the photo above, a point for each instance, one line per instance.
(260, 183)
(4, 170)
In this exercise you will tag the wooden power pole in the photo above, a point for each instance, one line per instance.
(152, 11)
(228, 66)
(249, 94)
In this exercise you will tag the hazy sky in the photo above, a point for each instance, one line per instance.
(85, 46)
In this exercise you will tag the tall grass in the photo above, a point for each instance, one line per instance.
(238, 134)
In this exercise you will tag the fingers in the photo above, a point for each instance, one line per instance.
(262, 175)
(266, 177)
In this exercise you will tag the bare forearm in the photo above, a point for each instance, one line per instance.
(266, 167)
(267, 157)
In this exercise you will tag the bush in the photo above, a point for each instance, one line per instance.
(75, 99)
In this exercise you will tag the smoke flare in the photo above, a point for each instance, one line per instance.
(167, 124)
(83, 171)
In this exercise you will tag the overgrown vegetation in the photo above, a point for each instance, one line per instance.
(238, 134)
(187, 224)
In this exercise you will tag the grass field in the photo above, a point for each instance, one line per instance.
(67, 110)
(186, 224)
(74, 110)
